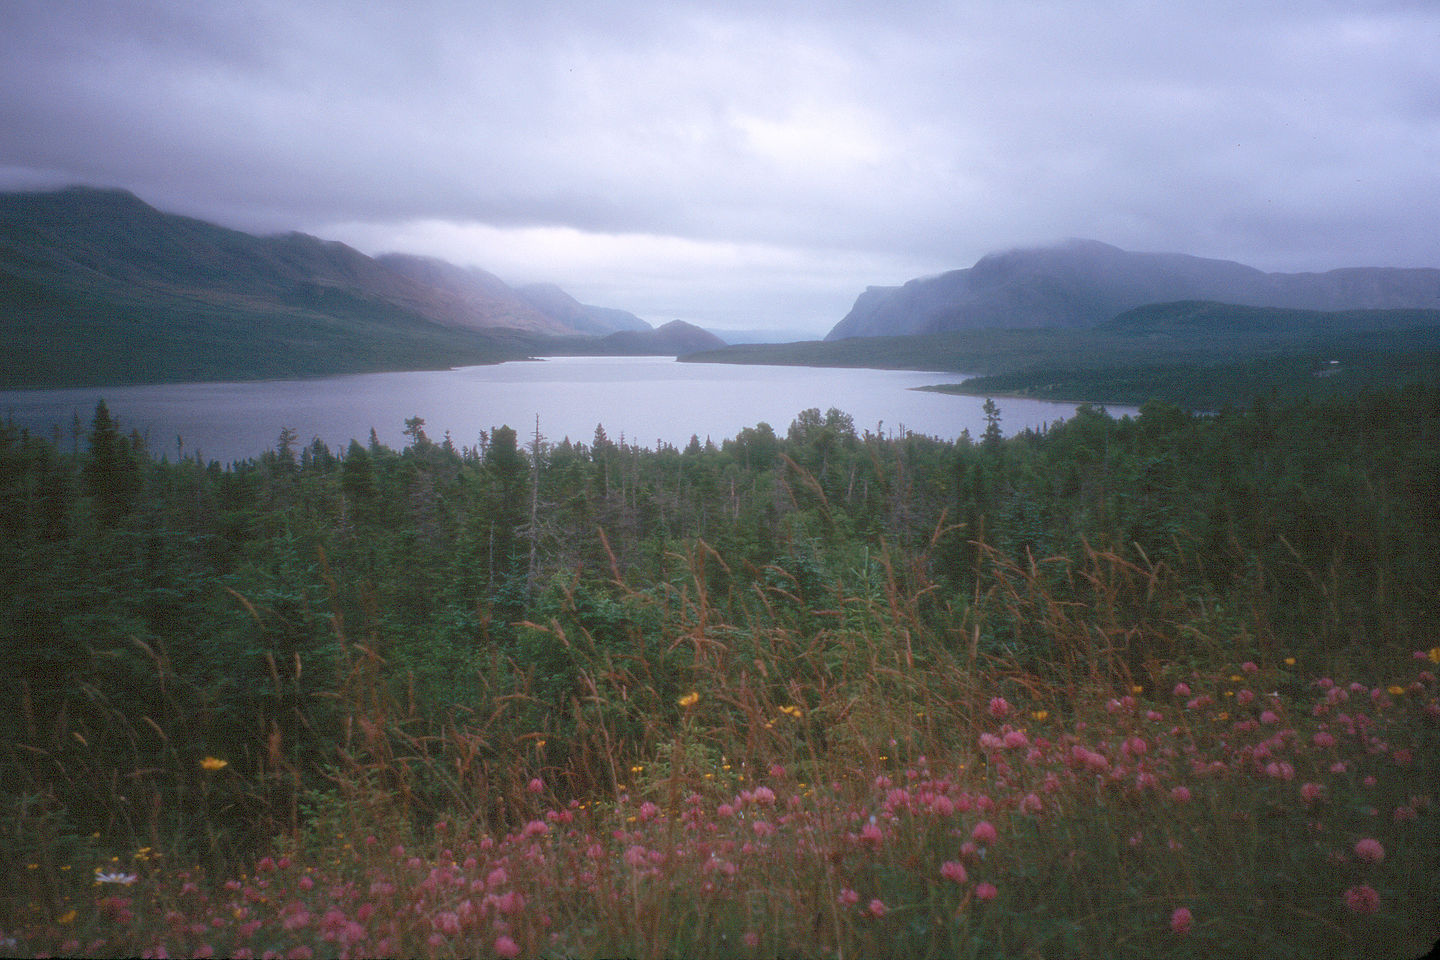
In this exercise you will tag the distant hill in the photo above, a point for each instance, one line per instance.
(1081, 283)
(1195, 353)
(97, 286)
(676, 338)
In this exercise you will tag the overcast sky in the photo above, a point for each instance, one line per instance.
(747, 164)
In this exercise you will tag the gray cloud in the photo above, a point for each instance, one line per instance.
(747, 163)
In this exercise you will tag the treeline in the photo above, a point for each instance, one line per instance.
(157, 612)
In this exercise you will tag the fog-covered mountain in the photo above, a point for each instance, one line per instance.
(1084, 282)
(97, 286)
(584, 318)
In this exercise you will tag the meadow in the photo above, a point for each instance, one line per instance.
(786, 712)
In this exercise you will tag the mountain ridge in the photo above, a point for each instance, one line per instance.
(105, 237)
(97, 286)
(1079, 283)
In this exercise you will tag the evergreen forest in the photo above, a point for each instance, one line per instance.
(235, 687)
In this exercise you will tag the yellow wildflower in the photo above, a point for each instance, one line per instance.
(1236, 678)
(67, 918)
(791, 711)
(1040, 715)
(214, 763)
(1434, 654)
(1396, 690)
(1137, 689)
(689, 700)
(1289, 661)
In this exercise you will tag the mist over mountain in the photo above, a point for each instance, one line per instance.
(584, 318)
(1080, 283)
(97, 286)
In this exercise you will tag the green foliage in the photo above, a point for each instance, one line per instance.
(1199, 355)
(376, 616)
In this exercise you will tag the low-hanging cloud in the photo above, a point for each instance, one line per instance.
(746, 163)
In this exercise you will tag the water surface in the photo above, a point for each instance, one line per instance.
(648, 400)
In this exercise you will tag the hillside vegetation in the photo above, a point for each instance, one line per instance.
(99, 288)
(1160, 686)
(1198, 354)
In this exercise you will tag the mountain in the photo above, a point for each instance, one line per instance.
(97, 286)
(676, 338)
(1080, 283)
(469, 297)
(584, 318)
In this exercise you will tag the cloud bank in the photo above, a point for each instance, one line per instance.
(746, 164)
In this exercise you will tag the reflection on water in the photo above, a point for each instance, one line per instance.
(648, 400)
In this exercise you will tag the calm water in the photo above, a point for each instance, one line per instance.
(647, 399)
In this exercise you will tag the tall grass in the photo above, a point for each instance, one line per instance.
(1080, 759)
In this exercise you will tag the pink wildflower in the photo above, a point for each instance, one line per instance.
(877, 907)
(1180, 794)
(537, 785)
(848, 897)
(1249, 666)
(1310, 792)
(984, 832)
(1181, 690)
(1181, 920)
(999, 707)
(505, 947)
(953, 870)
(986, 892)
(1370, 850)
(1362, 899)
(1268, 716)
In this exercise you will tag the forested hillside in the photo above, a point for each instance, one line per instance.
(323, 645)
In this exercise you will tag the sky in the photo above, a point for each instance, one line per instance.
(744, 164)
